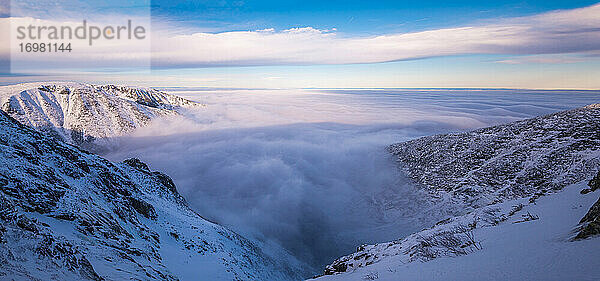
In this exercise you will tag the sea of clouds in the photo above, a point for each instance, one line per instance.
(308, 169)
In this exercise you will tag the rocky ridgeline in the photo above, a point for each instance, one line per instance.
(66, 214)
(485, 177)
(148, 97)
(516, 160)
(85, 114)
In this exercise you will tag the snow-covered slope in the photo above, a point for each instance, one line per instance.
(520, 159)
(87, 114)
(514, 249)
(488, 180)
(66, 214)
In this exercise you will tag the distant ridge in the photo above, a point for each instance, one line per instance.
(85, 114)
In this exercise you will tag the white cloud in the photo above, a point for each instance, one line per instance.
(544, 59)
(558, 32)
(565, 31)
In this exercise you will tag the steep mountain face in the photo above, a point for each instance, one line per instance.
(487, 178)
(515, 160)
(87, 114)
(66, 214)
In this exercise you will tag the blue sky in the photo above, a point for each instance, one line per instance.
(245, 43)
(352, 17)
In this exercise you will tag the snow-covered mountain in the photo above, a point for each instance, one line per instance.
(534, 243)
(490, 181)
(86, 114)
(520, 159)
(66, 214)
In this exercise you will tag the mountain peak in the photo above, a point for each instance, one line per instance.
(87, 114)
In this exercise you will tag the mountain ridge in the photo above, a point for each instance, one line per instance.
(68, 214)
(487, 177)
(87, 114)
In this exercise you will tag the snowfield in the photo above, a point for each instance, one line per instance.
(532, 250)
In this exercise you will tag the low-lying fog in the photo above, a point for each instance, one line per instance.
(308, 169)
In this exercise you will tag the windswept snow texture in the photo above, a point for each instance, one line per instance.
(66, 214)
(87, 114)
(309, 169)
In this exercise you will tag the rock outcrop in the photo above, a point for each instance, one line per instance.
(590, 223)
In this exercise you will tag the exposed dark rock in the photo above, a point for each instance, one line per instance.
(516, 160)
(27, 224)
(65, 216)
(165, 181)
(590, 223)
(594, 183)
(161, 179)
(137, 163)
(147, 97)
(335, 268)
(143, 207)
